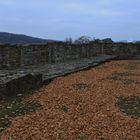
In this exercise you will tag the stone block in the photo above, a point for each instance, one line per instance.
(18, 84)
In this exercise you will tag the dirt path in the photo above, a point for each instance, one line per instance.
(84, 106)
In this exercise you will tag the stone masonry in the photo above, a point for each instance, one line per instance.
(24, 67)
(13, 56)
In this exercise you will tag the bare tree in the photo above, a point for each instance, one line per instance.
(82, 40)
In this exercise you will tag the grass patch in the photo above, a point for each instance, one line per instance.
(123, 74)
(133, 65)
(130, 105)
(82, 136)
(120, 77)
(128, 81)
(15, 106)
(80, 86)
(113, 77)
(65, 109)
(118, 65)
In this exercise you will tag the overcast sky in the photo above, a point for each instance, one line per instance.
(58, 19)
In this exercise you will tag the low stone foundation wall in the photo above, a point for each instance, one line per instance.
(14, 84)
(18, 81)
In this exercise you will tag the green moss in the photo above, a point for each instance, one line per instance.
(133, 65)
(15, 106)
(121, 77)
(130, 105)
(80, 86)
(65, 109)
(82, 136)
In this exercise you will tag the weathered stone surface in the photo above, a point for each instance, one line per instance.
(13, 82)
(16, 83)
(19, 64)
(14, 56)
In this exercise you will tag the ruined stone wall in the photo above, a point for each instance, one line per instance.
(125, 50)
(12, 56)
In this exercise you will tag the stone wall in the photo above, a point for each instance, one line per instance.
(13, 56)
(17, 83)
(15, 79)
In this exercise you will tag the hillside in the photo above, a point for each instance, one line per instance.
(11, 38)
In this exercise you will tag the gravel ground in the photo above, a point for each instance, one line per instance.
(82, 106)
